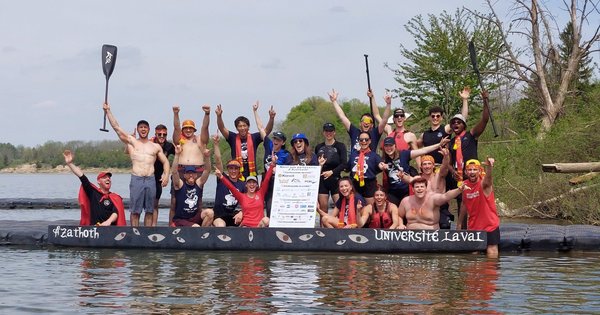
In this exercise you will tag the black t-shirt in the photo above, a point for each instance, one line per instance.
(431, 137)
(101, 206)
(468, 144)
(168, 149)
(336, 155)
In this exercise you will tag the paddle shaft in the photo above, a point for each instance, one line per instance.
(369, 83)
(473, 55)
(105, 101)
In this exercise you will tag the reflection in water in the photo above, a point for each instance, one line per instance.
(142, 281)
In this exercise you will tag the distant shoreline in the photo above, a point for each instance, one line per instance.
(32, 169)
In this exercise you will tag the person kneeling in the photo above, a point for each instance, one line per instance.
(252, 202)
(188, 195)
(348, 210)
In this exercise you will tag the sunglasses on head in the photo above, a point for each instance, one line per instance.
(363, 139)
(435, 115)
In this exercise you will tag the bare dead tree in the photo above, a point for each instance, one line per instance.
(534, 23)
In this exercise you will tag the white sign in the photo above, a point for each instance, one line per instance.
(295, 196)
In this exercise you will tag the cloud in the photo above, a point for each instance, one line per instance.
(273, 64)
(8, 49)
(48, 104)
(337, 9)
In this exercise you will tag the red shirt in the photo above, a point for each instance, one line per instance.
(481, 209)
(253, 209)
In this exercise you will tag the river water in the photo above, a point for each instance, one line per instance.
(74, 280)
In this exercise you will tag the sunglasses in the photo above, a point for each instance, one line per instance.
(436, 116)
(363, 139)
(399, 115)
(296, 141)
(161, 134)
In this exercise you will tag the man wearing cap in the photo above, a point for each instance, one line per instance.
(480, 204)
(143, 154)
(422, 210)
(437, 130)
(336, 160)
(192, 145)
(98, 205)
(244, 144)
(367, 122)
(395, 167)
(160, 138)
(188, 194)
(225, 203)
(463, 146)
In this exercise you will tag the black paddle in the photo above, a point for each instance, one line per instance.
(109, 57)
(369, 83)
(473, 55)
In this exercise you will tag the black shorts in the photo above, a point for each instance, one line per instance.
(396, 195)
(493, 237)
(329, 185)
(158, 188)
(229, 221)
(368, 190)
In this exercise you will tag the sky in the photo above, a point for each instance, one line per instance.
(190, 53)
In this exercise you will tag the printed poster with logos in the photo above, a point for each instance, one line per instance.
(295, 196)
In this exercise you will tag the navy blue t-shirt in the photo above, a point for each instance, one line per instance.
(189, 201)
(225, 202)
(395, 169)
(256, 140)
(372, 160)
(354, 132)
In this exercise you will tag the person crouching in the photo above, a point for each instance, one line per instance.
(188, 195)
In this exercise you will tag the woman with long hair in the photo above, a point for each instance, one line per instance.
(348, 210)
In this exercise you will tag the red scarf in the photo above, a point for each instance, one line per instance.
(360, 167)
(351, 212)
(84, 204)
(251, 157)
(460, 164)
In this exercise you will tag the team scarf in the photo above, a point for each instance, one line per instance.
(351, 212)
(360, 167)
(251, 157)
(183, 139)
(84, 204)
(460, 164)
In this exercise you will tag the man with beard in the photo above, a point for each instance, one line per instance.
(422, 210)
(480, 204)
(367, 123)
(99, 206)
(243, 144)
(192, 145)
(160, 138)
(143, 154)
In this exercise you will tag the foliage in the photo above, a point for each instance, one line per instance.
(439, 66)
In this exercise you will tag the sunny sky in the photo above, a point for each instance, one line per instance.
(189, 53)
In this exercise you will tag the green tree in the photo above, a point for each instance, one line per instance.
(439, 66)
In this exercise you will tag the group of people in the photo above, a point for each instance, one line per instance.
(446, 168)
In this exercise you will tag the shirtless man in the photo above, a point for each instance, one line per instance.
(143, 154)
(423, 208)
(192, 145)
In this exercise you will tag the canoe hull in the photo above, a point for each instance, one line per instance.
(269, 239)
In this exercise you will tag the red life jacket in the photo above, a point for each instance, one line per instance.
(84, 204)
(380, 220)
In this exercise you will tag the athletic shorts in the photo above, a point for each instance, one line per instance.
(395, 196)
(229, 221)
(158, 188)
(142, 192)
(329, 185)
(184, 222)
(368, 190)
(493, 237)
(181, 167)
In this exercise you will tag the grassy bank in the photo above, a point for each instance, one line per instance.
(519, 180)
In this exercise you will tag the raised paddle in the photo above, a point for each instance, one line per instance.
(109, 58)
(369, 83)
(473, 55)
